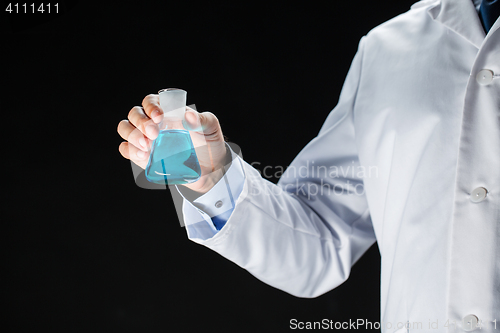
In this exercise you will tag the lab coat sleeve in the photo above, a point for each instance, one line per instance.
(303, 235)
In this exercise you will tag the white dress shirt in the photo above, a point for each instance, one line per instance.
(418, 121)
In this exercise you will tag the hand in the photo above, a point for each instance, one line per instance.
(141, 129)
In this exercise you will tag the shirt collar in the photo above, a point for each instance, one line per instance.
(460, 16)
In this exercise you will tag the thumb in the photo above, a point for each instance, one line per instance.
(205, 122)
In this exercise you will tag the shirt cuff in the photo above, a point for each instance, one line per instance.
(223, 195)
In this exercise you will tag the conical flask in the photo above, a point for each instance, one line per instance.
(173, 158)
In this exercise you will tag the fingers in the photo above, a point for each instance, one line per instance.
(130, 133)
(152, 108)
(141, 121)
(205, 122)
(134, 154)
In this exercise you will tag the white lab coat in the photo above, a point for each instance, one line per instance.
(421, 134)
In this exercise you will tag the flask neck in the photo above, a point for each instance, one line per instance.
(171, 123)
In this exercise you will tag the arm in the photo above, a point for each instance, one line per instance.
(304, 234)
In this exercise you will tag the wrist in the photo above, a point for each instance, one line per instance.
(208, 181)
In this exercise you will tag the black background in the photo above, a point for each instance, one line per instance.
(86, 250)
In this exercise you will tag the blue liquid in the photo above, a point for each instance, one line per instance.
(173, 159)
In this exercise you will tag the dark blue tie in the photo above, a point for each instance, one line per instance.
(489, 12)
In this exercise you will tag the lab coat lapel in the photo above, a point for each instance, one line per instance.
(460, 16)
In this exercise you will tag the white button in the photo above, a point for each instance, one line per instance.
(218, 204)
(469, 322)
(478, 195)
(484, 77)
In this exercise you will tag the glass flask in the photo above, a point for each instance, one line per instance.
(173, 158)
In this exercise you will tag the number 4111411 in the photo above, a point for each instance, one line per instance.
(17, 8)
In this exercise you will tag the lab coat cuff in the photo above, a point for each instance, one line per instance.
(219, 200)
